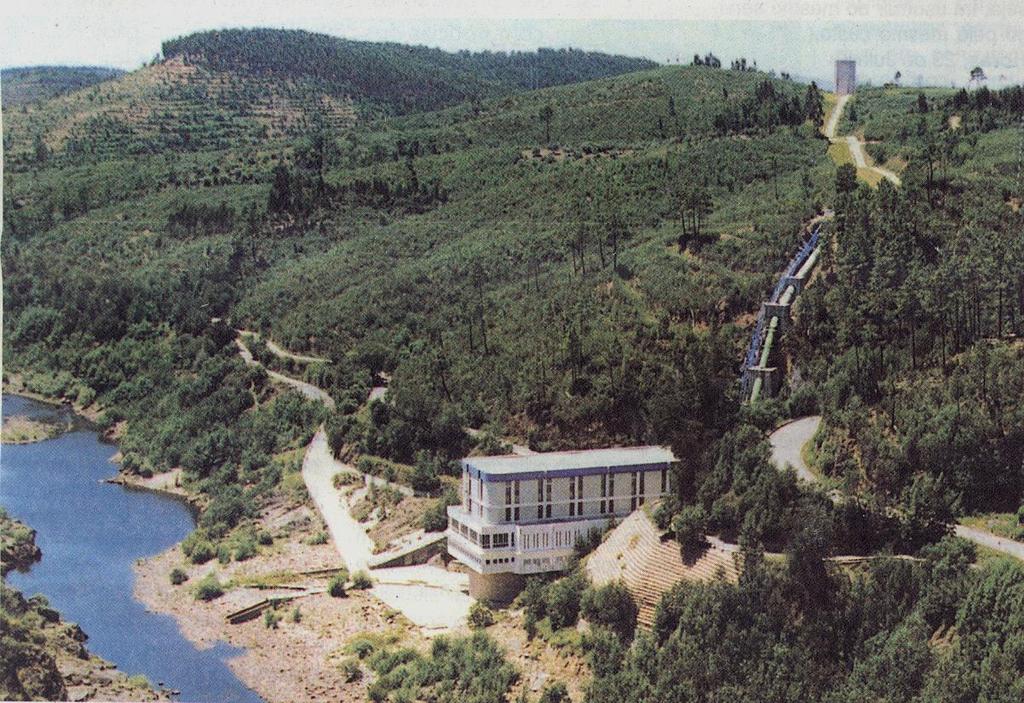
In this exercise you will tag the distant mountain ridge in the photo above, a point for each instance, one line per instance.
(30, 84)
(396, 77)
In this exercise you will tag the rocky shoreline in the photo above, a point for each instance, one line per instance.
(46, 657)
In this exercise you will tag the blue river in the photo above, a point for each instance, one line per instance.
(90, 533)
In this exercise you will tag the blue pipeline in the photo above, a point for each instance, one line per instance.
(757, 337)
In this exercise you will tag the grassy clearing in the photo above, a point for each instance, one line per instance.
(21, 430)
(1002, 524)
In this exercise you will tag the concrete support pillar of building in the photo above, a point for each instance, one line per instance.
(495, 588)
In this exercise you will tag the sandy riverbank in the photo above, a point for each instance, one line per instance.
(297, 661)
(23, 430)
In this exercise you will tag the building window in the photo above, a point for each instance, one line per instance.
(664, 480)
(540, 498)
(604, 492)
(579, 495)
(485, 541)
(547, 498)
(572, 496)
(640, 494)
(508, 501)
(632, 491)
(611, 493)
(515, 500)
(499, 541)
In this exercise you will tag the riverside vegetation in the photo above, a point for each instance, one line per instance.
(573, 265)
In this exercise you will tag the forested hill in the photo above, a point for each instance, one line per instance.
(397, 77)
(33, 83)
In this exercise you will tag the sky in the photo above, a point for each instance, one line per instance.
(931, 42)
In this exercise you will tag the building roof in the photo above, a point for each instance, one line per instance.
(579, 461)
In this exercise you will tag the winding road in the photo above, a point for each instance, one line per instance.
(307, 389)
(854, 144)
(283, 353)
(788, 442)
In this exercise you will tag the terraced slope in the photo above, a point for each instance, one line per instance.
(173, 105)
(650, 563)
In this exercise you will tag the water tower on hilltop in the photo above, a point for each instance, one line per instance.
(846, 77)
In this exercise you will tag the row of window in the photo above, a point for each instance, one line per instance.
(501, 540)
(607, 504)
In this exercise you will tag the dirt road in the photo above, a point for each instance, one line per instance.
(431, 597)
(307, 389)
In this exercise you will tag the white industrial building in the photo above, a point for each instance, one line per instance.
(522, 515)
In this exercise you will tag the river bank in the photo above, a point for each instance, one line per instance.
(91, 533)
(46, 656)
(14, 384)
(299, 657)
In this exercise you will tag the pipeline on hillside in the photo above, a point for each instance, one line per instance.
(767, 325)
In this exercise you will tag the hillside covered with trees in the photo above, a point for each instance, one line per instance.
(538, 247)
(29, 84)
(396, 77)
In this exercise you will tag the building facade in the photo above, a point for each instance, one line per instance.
(522, 515)
(846, 77)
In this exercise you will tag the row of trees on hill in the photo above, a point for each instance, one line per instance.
(912, 340)
(802, 632)
(770, 107)
(394, 77)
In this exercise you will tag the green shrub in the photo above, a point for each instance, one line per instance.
(336, 587)
(667, 508)
(264, 538)
(296, 615)
(480, 615)
(245, 549)
(562, 600)
(86, 396)
(555, 693)
(140, 681)
(345, 478)
(224, 554)
(271, 618)
(178, 576)
(351, 670)
(361, 581)
(361, 646)
(198, 548)
(435, 519)
(320, 537)
(605, 651)
(611, 606)
(202, 553)
(690, 525)
(209, 588)
(533, 599)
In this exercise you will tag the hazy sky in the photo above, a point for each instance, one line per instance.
(931, 41)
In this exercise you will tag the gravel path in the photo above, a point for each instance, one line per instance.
(833, 119)
(431, 597)
(788, 441)
(307, 389)
(987, 539)
(857, 151)
(283, 353)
